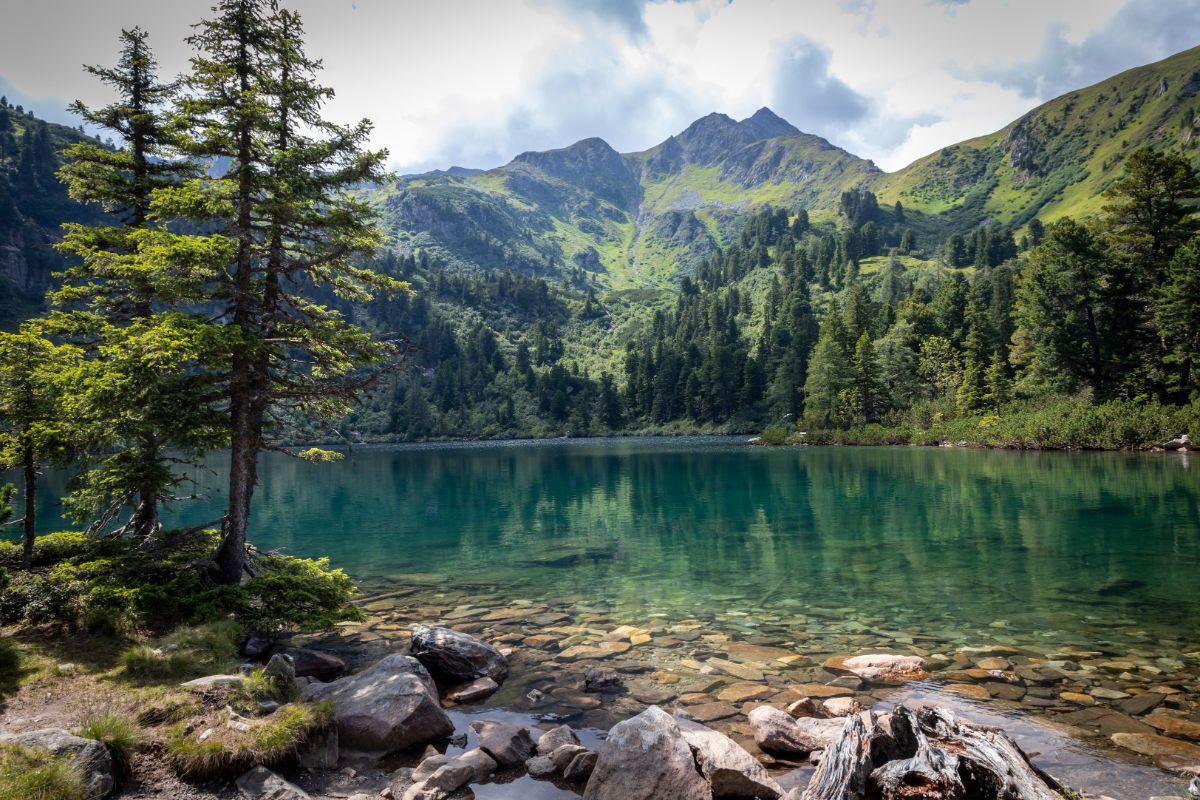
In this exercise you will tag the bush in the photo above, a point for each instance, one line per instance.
(286, 594)
(50, 548)
(31, 774)
(120, 735)
(115, 586)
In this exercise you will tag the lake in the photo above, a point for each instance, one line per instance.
(1085, 558)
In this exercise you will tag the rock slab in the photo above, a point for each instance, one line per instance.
(262, 784)
(728, 768)
(782, 733)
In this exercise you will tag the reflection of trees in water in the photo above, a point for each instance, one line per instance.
(909, 534)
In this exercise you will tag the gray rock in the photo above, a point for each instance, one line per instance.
(392, 705)
(212, 681)
(456, 657)
(509, 745)
(262, 784)
(90, 757)
(779, 731)
(319, 751)
(281, 668)
(473, 692)
(555, 738)
(256, 645)
(564, 755)
(580, 768)
(541, 767)
(728, 768)
(483, 764)
(646, 758)
(315, 664)
(437, 777)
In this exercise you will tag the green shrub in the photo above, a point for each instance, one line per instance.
(286, 594)
(49, 548)
(31, 774)
(114, 586)
(119, 734)
(258, 686)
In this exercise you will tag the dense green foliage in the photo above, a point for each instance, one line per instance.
(117, 585)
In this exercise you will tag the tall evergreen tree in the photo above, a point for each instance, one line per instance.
(289, 225)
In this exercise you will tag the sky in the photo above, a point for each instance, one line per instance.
(475, 82)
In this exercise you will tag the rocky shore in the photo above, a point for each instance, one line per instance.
(494, 695)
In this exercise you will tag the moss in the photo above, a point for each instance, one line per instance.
(30, 774)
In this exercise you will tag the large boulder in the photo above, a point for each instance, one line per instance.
(315, 663)
(90, 757)
(390, 706)
(262, 784)
(555, 738)
(782, 733)
(646, 758)
(888, 670)
(510, 745)
(455, 657)
(731, 772)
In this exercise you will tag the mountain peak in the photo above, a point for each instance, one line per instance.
(766, 124)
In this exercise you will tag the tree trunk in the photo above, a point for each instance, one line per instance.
(243, 474)
(30, 468)
(145, 516)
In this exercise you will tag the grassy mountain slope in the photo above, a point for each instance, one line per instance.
(1059, 158)
(588, 214)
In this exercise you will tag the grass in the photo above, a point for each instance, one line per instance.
(188, 651)
(260, 687)
(227, 751)
(118, 733)
(30, 774)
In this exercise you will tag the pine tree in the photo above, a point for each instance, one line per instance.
(287, 223)
(34, 425)
(829, 372)
(143, 387)
(1177, 316)
(866, 380)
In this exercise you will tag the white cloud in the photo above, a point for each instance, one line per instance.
(477, 81)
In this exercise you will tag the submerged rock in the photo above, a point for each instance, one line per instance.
(457, 657)
(390, 706)
(646, 758)
(473, 692)
(89, 756)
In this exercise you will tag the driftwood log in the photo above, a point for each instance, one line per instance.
(926, 754)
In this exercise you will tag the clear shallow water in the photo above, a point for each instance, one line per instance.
(825, 550)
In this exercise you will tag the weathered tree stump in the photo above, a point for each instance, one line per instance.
(929, 755)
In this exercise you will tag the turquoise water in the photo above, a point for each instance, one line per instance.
(1076, 549)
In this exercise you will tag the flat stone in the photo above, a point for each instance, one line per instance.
(741, 651)
(1142, 703)
(473, 692)
(1004, 691)
(213, 681)
(1153, 745)
(744, 690)
(1175, 726)
(819, 690)
(1078, 698)
(1107, 694)
(708, 712)
(968, 690)
(742, 671)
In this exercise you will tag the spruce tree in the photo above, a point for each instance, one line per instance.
(289, 226)
(143, 389)
(1177, 316)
